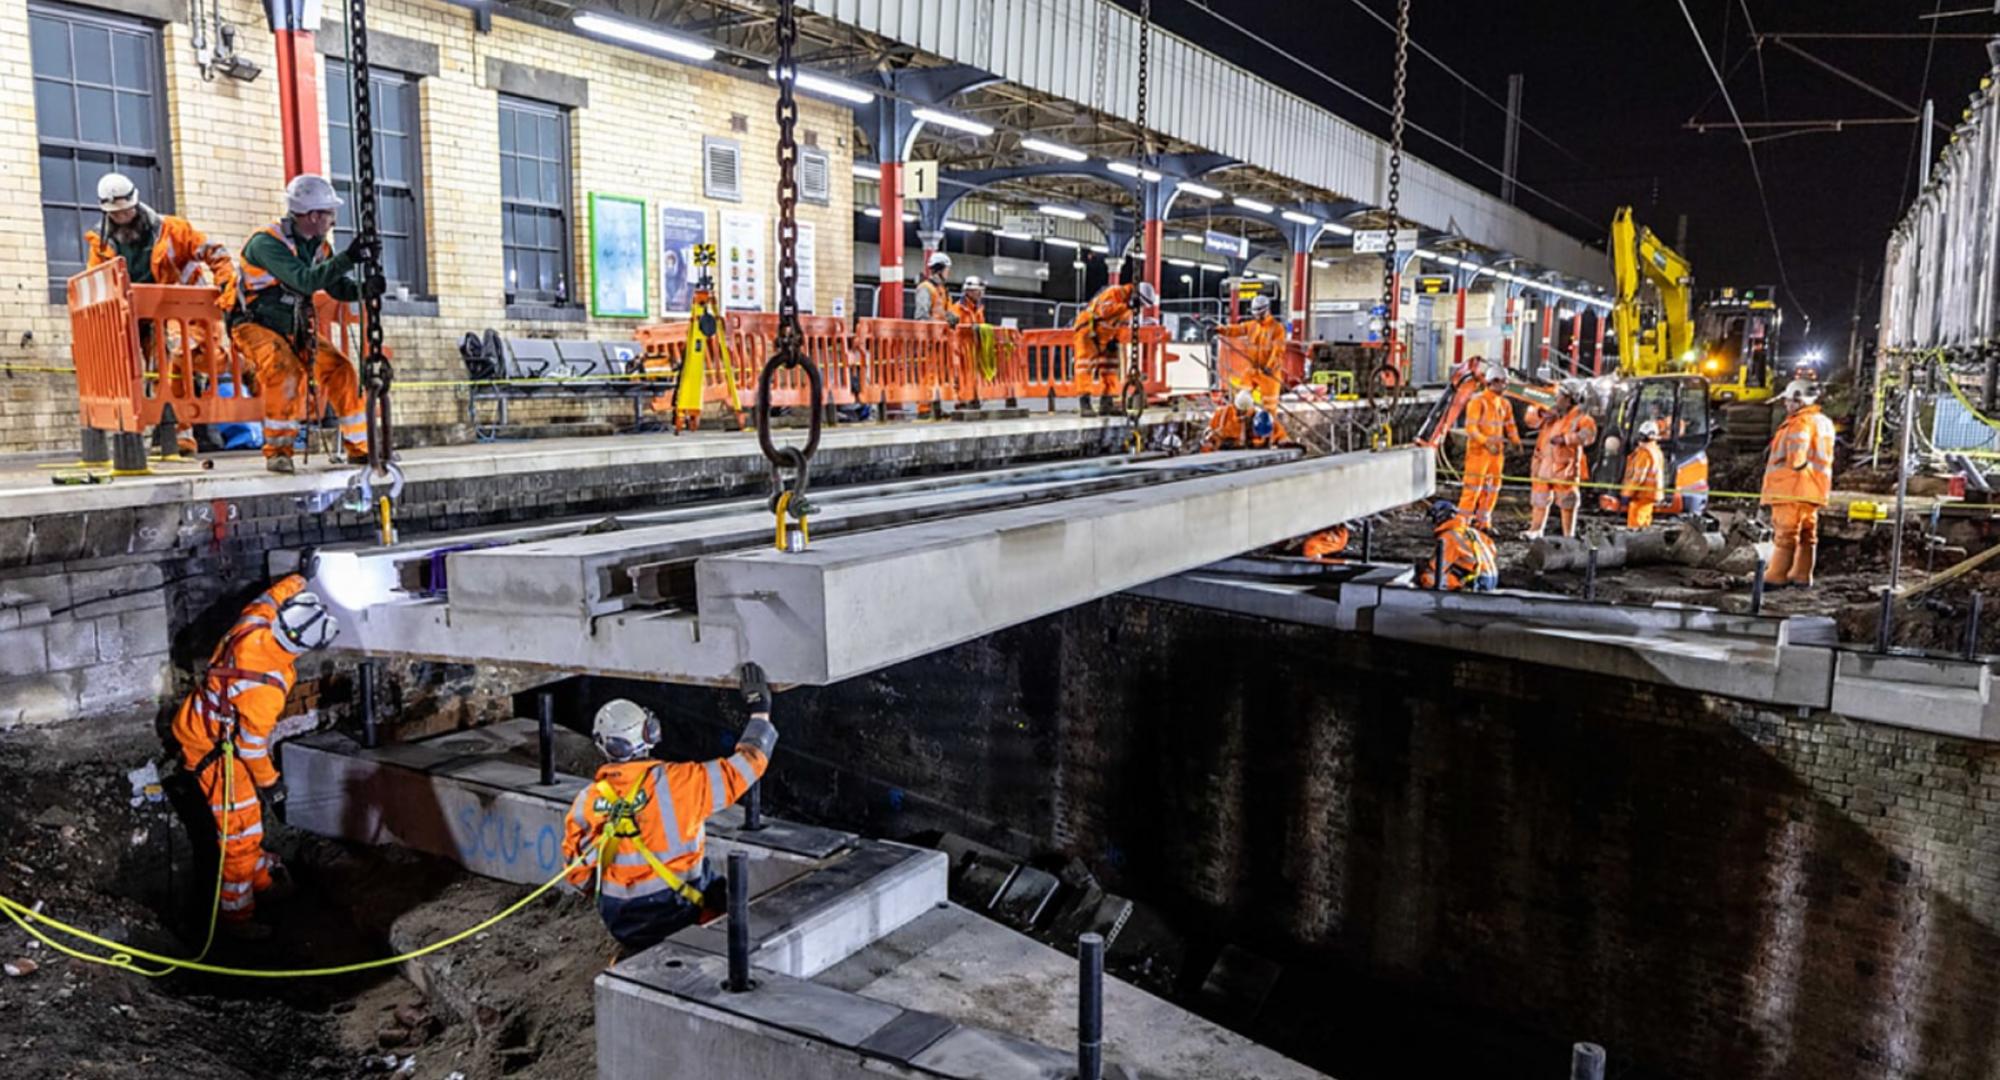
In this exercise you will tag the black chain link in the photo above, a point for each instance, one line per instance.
(1132, 397)
(375, 371)
(1389, 296)
(788, 351)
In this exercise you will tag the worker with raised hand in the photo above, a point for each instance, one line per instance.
(1645, 477)
(637, 827)
(1489, 430)
(159, 249)
(1470, 564)
(1097, 328)
(225, 729)
(1798, 480)
(284, 264)
(1261, 341)
(933, 293)
(1563, 436)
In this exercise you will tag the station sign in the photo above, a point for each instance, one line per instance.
(1023, 269)
(920, 180)
(1376, 241)
(1027, 224)
(1248, 288)
(1224, 244)
(1433, 284)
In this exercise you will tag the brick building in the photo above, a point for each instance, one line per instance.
(90, 84)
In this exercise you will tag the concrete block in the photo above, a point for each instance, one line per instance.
(72, 643)
(48, 590)
(144, 681)
(1954, 697)
(24, 651)
(143, 632)
(39, 699)
(58, 537)
(87, 586)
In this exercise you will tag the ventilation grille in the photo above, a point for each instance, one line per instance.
(814, 185)
(722, 169)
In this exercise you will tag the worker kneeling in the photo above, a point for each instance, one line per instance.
(1645, 477)
(1243, 425)
(1470, 564)
(638, 827)
(1798, 480)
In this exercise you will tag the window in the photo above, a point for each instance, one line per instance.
(398, 183)
(721, 169)
(98, 109)
(534, 201)
(814, 184)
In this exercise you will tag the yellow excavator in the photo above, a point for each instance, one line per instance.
(1731, 341)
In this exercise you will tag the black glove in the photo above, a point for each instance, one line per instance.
(373, 286)
(756, 690)
(275, 794)
(309, 563)
(364, 249)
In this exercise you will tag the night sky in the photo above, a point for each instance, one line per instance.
(1614, 83)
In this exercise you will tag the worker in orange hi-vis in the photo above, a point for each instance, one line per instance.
(1645, 477)
(1326, 545)
(284, 264)
(1798, 480)
(934, 294)
(225, 727)
(1098, 327)
(1563, 436)
(1470, 563)
(160, 249)
(1489, 430)
(1243, 425)
(638, 826)
(1260, 341)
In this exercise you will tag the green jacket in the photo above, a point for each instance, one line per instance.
(277, 278)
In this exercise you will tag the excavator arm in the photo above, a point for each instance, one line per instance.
(1637, 256)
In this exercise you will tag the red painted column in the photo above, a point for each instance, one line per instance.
(1458, 335)
(1548, 331)
(1597, 352)
(298, 102)
(1576, 343)
(1114, 268)
(1155, 239)
(1510, 313)
(1301, 286)
(889, 301)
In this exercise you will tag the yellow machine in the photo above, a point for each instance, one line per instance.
(1638, 257)
(1738, 331)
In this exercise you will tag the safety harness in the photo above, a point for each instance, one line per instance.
(621, 824)
(218, 707)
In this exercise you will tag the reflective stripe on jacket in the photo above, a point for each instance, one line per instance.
(1489, 416)
(1468, 556)
(1799, 467)
(1562, 447)
(1097, 326)
(671, 803)
(245, 686)
(1645, 473)
(179, 254)
(1263, 341)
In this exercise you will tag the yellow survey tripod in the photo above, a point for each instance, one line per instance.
(706, 339)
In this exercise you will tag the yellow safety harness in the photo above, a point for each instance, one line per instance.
(622, 824)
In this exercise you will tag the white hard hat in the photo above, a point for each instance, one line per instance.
(305, 624)
(1148, 295)
(1245, 401)
(116, 191)
(1259, 305)
(937, 259)
(624, 729)
(1494, 372)
(308, 192)
(1649, 430)
(973, 284)
(1800, 389)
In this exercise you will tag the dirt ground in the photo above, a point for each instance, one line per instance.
(515, 1001)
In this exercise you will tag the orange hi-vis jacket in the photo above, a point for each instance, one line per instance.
(1489, 418)
(1468, 556)
(640, 826)
(1100, 322)
(1800, 466)
(1229, 429)
(1263, 341)
(179, 253)
(1645, 473)
(1561, 447)
(969, 313)
(243, 691)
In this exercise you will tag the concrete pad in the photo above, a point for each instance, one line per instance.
(1940, 694)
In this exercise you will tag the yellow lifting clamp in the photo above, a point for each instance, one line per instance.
(793, 540)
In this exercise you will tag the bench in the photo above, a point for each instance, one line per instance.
(502, 370)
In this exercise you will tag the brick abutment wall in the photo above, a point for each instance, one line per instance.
(1481, 861)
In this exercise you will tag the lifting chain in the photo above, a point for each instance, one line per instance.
(375, 371)
(1389, 292)
(788, 492)
(1132, 397)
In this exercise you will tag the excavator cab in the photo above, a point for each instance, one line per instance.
(1738, 334)
(1678, 405)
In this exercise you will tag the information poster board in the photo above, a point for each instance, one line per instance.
(808, 265)
(682, 228)
(618, 277)
(745, 269)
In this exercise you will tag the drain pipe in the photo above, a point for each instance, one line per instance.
(545, 715)
(367, 689)
(739, 923)
(1090, 1007)
(1586, 1062)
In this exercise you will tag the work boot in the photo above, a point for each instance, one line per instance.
(243, 929)
(1087, 405)
(1802, 564)
(280, 464)
(282, 886)
(1107, 405)
(1779, 573)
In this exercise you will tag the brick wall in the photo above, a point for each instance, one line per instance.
(640, 136)
(1459, 859)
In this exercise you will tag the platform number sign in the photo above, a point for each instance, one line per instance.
(920, 180)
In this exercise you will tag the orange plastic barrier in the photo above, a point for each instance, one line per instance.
(908, 362)
(105, 336)
(1010, 373)
(1050, 360)
(752, 335)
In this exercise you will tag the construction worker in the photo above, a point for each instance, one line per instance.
(1243, 425)
(1489, 430)
(1469, 560)
(1097, 328)
(1563, 438)
(224, 729)
(1325, 545)
(284, 264)
(1798, 479)
(638, 825)
(933, 294)
(971, 307)
(1261, 342)
(1645, 477)
(159, 249)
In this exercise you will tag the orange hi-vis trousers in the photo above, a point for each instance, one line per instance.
(239, 820)
(281, 379)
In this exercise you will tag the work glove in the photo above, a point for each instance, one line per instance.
(364, 249)
(309, 563)
(274, 794)
(756, 690)
(373, 285)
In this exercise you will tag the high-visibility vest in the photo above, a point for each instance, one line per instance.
(1468, 555)
(257, 281)
(177, 257)
(1562, 448)
(1488, 416)
(1263, 341)
(1799, 468)
(1098, 324)
(242, 693)
(940, 300)
(1645, 472)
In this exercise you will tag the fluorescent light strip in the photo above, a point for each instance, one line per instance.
(1298, 218)
(1006, 234)
(1100, 249)
(1070, 213)
(1202, 190)
(1337, 229)
(1061, 242)
(1124, 168)
(642, 36)
(1185, 264)
(960, 226)
(872, 211)
(1054, 150)
(867, 172)
(1253, 205)
(1214, 269)
(825, 87)
(1446, 260)
(1193, 238)
(956, 123)
(1323, 264)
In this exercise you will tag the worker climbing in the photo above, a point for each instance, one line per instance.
(284, 264)
(1470, 564)
(225, 729)
(934, 291)
(1260, 341)
(159, 249)
(638, 826)
(1489, 431)
(1563, 436)
(1798, 480)
(1645, 477)
(1099, 328)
